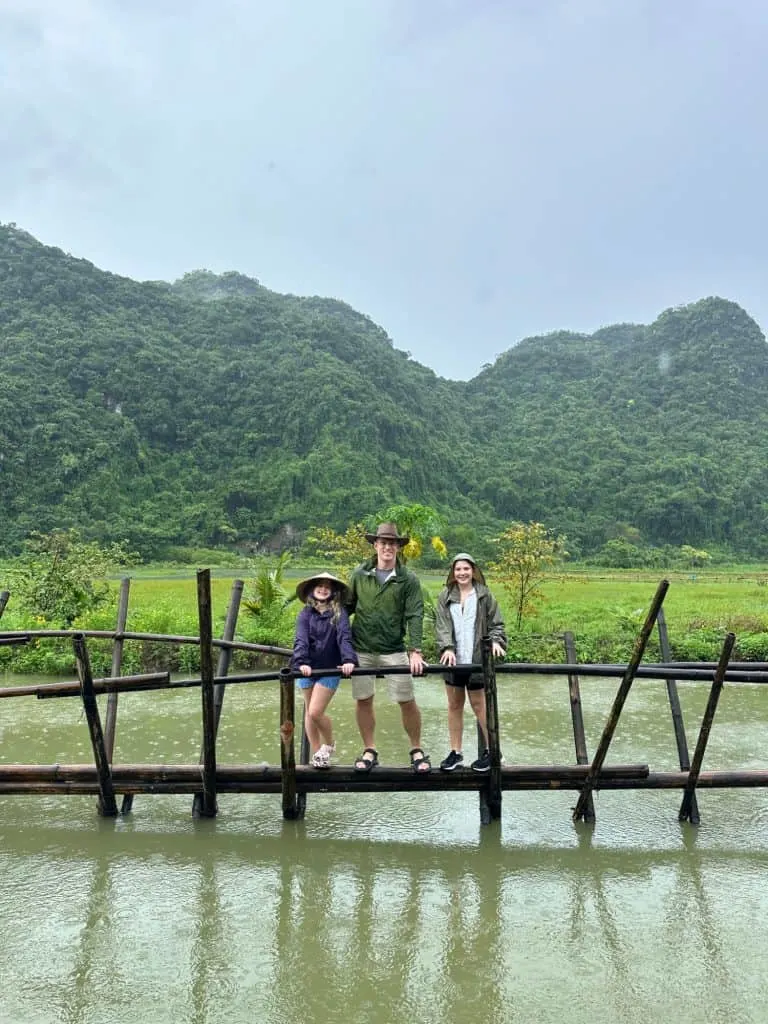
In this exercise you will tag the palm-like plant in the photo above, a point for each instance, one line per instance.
(419, 522)
(267, 593)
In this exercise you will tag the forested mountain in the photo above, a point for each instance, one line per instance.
(661, 428)
(217, 411)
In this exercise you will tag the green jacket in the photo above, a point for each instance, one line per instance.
(488, 621)
(383, 614)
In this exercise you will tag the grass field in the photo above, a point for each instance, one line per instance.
(604, 610)
(580, 601)
(594, 604)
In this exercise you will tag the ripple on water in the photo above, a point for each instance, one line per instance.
(389, 906)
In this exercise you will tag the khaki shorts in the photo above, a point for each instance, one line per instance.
(400, 687)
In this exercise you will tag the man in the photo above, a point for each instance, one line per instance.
(386, 604)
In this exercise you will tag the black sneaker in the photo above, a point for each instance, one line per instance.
(483, 763)
(453, 760)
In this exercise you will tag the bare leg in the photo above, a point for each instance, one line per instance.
(477, 700)
(309, 726)
(411, 716)
(455, 695)
(366, 721)
(321, 698)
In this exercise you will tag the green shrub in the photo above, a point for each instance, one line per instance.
(751, 647)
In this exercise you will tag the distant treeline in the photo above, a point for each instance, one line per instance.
(215, 412)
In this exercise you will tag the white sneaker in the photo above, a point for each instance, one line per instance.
(322, 757)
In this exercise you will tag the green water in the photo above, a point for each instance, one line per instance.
(387, 908)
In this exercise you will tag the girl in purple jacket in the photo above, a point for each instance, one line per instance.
(323, 640)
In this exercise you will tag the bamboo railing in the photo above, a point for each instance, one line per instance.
(294, 782)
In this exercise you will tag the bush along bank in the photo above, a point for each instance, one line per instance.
(611, 645)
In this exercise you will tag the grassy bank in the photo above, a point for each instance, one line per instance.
(603, 610)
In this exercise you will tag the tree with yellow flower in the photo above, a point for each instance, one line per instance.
(421, 523)
(342, 550)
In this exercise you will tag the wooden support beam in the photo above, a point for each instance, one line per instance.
(287, 755)
(122, 684)
(492, 725)
(4, 595)
(251, 778)
(107, 803)
(171, 638)
(706, 725)
(222, 668)
(677, 712)
(207, 807)
(11, 641)
(577, 719)
(126, 683)
(110, 721)
(485, 810)
(110, 727)
(580, 809)
(225, 653)
(301, 796)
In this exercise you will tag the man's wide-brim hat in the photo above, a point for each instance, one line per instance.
(387, 531)
(464, 557)
(305, 587)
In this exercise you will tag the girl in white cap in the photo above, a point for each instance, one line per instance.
(323, 641)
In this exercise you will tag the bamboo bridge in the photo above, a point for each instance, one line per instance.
(295, 781)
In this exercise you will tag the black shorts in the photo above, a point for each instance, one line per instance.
(465, 679)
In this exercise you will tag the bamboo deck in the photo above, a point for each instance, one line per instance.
(207, 779)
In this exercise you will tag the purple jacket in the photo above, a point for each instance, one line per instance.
(320, 642)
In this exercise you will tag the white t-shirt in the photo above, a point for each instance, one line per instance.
(464, 627)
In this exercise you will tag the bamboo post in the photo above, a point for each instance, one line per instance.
(4, 595)
(287, 756)
(301, 798)
(208, 803)
(485, 810)
(107, 803)
(677, 712)
(117, 661)
(110, 723)
(580, 810)
(706, 725)
(225, 653)
(222, 668)
(492, 724)
(577, 718)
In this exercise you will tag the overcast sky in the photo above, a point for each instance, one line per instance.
(466, 172)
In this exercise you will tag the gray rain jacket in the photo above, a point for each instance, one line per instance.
(488, 621)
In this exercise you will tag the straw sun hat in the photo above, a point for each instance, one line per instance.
(305, 587)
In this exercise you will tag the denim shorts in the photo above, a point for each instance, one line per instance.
(331, 682)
